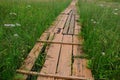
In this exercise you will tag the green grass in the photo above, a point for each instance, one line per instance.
(101, 32)
(116, 0)
(112, 0)
(21, 23)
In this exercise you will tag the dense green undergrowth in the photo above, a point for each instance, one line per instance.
(101, 25)
(21, 23)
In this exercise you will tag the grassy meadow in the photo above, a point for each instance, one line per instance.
(101, 32)
(21, 24)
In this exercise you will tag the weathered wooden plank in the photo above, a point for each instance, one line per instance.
(77, 51)
(29, 62)
(72, 25)
(51, 58)
(67, 11)
(77, 64)
(65, 30)
(77, 29)
(64, 65)
(54, 24)
(33, 55)
(57, 42)
(50, 75)
(60, 25)
(53, 52)
(86, 72)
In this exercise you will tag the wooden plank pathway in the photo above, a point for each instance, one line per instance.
(64, 44)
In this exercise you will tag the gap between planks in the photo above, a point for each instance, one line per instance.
(33, 55)
(53, 52)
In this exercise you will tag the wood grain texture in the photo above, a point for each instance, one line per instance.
(67, 24)
(51, 58)
(64, 65)
(72, 25)
(50, 75)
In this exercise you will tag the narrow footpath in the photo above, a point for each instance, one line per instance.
(63, 47)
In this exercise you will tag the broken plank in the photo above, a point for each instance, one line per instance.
(64, 65)
(33, 55)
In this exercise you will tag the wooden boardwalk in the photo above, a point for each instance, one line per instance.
(60, 63)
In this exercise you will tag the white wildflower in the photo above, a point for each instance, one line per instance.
(23, 50)
(28, 6)
(116, 9)
(103, 53)
(16, 35)
(94, 22)
(17, 24)
(13, 13)
(101, 5)
(12, 25)
(115, 13)
(9, 25)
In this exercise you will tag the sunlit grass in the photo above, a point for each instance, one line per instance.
(101, 25)
(21, 23)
